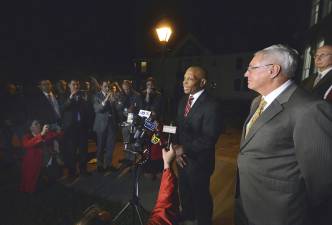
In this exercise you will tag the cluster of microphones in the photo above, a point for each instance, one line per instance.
(146, 131)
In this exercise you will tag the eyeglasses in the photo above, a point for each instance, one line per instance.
(251, 68)
(321, 55)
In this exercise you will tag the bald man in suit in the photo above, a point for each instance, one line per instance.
(285, 157)
(198, 122)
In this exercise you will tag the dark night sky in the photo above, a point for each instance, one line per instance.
(47, 37)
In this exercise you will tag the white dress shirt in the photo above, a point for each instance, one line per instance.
(196, 96)
(275, 93)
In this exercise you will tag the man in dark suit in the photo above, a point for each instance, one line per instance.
(198, 122)
(44, 104)
(105, 126)
(285, 154)
(319, 82)
(153, 100)
(130, 101)
(75, 123)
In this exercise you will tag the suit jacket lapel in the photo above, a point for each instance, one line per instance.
(270, 112)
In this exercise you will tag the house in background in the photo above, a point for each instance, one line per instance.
(226, 71)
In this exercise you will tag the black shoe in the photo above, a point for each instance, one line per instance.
(125, 161)
(100, 169)
(122, 160)
(111, 169)
(72, 178)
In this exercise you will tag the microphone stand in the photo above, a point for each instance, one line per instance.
(134, 202)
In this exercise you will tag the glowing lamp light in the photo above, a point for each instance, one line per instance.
(164, 33)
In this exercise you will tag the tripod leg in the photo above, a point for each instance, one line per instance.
(139, 215)
(121, 211)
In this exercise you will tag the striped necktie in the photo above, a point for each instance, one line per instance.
(188, 105)
(258, 112)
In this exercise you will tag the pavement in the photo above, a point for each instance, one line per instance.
(118, 186)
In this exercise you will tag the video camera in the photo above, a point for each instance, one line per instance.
(53, 127)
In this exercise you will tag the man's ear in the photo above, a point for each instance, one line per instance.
(275, 71)
(203, 82)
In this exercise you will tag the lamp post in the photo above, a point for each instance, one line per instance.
(164, 32)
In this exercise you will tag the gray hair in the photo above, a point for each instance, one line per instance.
(284, 56)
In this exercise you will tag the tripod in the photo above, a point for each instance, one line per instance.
(134, 201)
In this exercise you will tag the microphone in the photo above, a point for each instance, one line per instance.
(150, 124)
(170, 130)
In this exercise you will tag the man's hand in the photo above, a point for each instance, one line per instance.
(44, 130)
(168, 157)
(107, 98)
(73, 93)
(180, 156)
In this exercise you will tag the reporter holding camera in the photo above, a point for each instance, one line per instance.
(36, 142)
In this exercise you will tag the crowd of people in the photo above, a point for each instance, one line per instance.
(79, 112)
(285, 156)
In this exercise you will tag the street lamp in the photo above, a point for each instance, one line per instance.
(164, 32)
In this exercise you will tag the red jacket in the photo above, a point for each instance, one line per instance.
(166, 210)
(33, 159)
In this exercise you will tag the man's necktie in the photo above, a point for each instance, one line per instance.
(258, 112)
(317, 79)
(188, 105)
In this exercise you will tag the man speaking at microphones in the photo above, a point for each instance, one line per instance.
(198, 124)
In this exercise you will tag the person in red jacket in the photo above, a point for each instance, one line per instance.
(166, 209)
(35, 144)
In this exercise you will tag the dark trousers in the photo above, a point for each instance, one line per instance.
(195, 197)
(105, 145)
(76, 148)
(126, 140)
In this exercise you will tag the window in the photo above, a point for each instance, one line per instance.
(306, 63)
(315, 10)
(144, 66)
